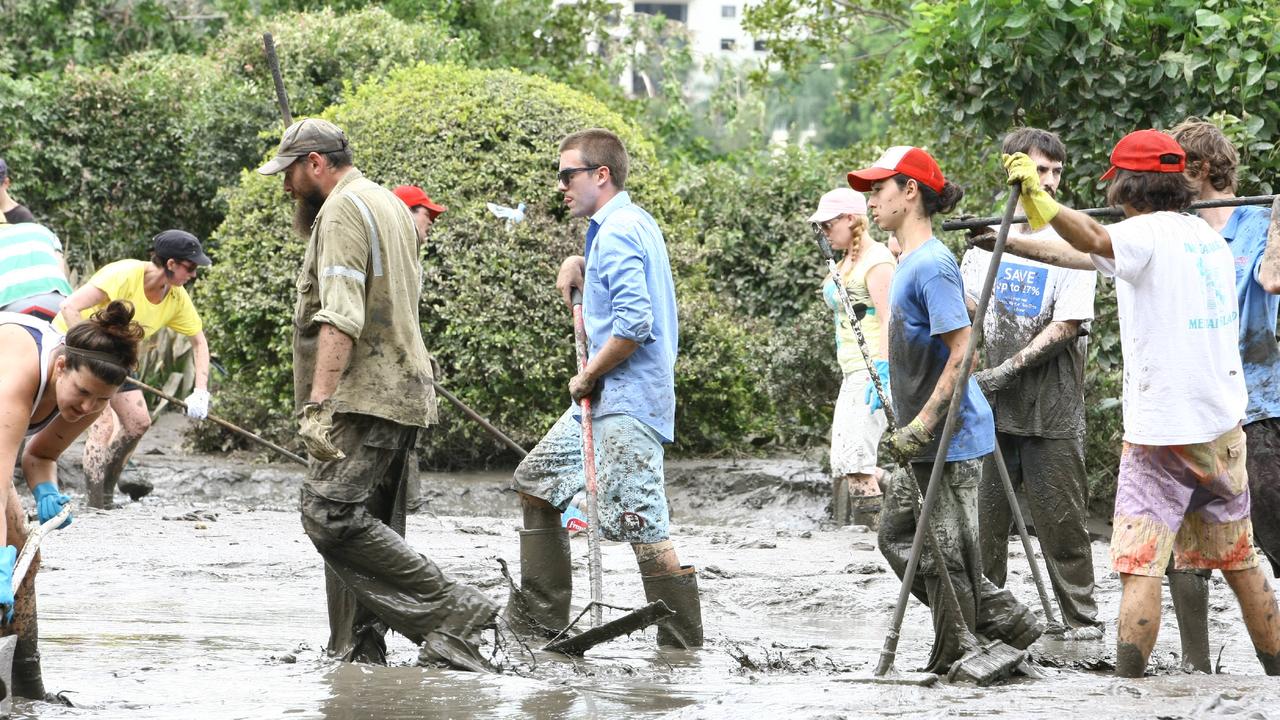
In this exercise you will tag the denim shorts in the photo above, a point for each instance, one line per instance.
(630, 487)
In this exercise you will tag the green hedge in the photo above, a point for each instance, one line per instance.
(489, 312)
(110, 156)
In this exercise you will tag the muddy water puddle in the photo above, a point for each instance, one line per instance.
(143, 617)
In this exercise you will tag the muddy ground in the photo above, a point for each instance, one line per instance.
(204, 600)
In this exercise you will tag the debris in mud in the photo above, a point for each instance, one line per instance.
(135, 486)
(476, 530)
(756, 545)
(776, 661)
(194, 516)
(716, 571)
(863, 568)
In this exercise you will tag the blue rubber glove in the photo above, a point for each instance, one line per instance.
(8, 556)
(872, 398)
(49, 502)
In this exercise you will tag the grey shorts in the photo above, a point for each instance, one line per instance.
(44, 306)
(630, 487)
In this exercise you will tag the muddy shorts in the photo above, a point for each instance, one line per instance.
(1193, 499)
(630, 488)
(855, 431)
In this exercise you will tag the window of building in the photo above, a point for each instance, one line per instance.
(759, 46)
(728, 43)
(672, 11)
(728, 11)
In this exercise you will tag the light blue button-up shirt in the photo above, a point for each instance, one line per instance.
(630, 294)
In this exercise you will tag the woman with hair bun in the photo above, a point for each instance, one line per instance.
(51, 390)
(928, 332)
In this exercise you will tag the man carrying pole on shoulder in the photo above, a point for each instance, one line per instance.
(1182, 483)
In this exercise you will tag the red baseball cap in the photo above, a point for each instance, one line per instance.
(900, 160)
(413, 196)
(1147, 151)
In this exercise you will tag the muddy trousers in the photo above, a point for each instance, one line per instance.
(1262, 459)
(1051, 472)
(354, 512)
(27, 679)
(989, 611)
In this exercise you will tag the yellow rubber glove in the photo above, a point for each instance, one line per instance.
(1039, 206)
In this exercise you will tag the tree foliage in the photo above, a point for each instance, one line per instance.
(489, 312)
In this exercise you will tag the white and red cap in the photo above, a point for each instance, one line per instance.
(900, 160)
(841, 201)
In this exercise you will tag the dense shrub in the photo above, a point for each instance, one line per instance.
(489, 312)
(110, 156)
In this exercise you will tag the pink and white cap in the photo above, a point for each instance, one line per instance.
(841, 201)
(901, 159)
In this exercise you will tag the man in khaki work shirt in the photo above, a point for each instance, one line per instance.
(362, 384)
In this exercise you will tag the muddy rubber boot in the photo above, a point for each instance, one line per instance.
(679, 590)
(540, 608)
(1190, 591)
(840, 501)
(866, 511)
(455, 642)
(28, 681)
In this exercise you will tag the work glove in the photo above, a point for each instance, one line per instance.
(49, 502)
(1039, 206)
(909, 441)
(993, 380)
(8, 556)
(315, 424)
(198, 404)
(872, 398)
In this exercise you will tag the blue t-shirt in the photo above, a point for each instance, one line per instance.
(1246, 235)
(630, 293)
(927, 300)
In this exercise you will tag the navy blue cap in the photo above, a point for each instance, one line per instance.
(179, 245)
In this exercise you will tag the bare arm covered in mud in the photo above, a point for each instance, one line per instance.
(333, 353)
(200, 347)
(1053, 339)
(1051, 251)
(935, 408)
(1269, 268)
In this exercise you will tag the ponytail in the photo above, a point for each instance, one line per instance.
(106, 344)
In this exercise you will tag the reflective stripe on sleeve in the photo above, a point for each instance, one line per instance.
(343, 271)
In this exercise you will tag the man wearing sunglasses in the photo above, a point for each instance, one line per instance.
(629, 313)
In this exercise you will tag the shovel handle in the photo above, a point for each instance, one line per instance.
(29, 548)
(594, 566)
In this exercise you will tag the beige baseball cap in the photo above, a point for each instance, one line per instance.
(301, 139)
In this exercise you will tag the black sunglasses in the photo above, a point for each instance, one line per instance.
(566, 175)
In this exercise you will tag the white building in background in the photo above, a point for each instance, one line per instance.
(715, 25)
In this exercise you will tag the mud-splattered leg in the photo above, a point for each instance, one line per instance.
(1258, 605)
(27, 680)
(1139, 623)
(1190, 592)
(111, 441)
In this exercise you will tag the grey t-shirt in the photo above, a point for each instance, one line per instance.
(1046, 400)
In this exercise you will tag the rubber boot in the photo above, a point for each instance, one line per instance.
(541, 606)
(679, 590)
(1190, 591)
(840, 501)
(866, 511)
(455, 643)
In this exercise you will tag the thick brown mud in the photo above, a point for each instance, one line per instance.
(219, 613)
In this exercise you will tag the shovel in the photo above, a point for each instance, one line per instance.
(638, 619)
(982, 663)
(10, 642)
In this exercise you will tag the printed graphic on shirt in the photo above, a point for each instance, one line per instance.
(1220, 308)
(1021, 288)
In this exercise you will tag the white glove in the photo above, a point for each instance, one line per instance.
(198, 404)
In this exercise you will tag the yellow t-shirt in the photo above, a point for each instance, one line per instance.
(848, 354)
(122, 280)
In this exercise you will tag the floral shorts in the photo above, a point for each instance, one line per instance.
(1191, 499)
(630, 481)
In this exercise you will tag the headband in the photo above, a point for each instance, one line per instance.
(98, 355)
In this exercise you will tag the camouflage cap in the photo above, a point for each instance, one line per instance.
(302, 138)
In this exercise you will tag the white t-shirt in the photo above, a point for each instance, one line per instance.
(1183, 380)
